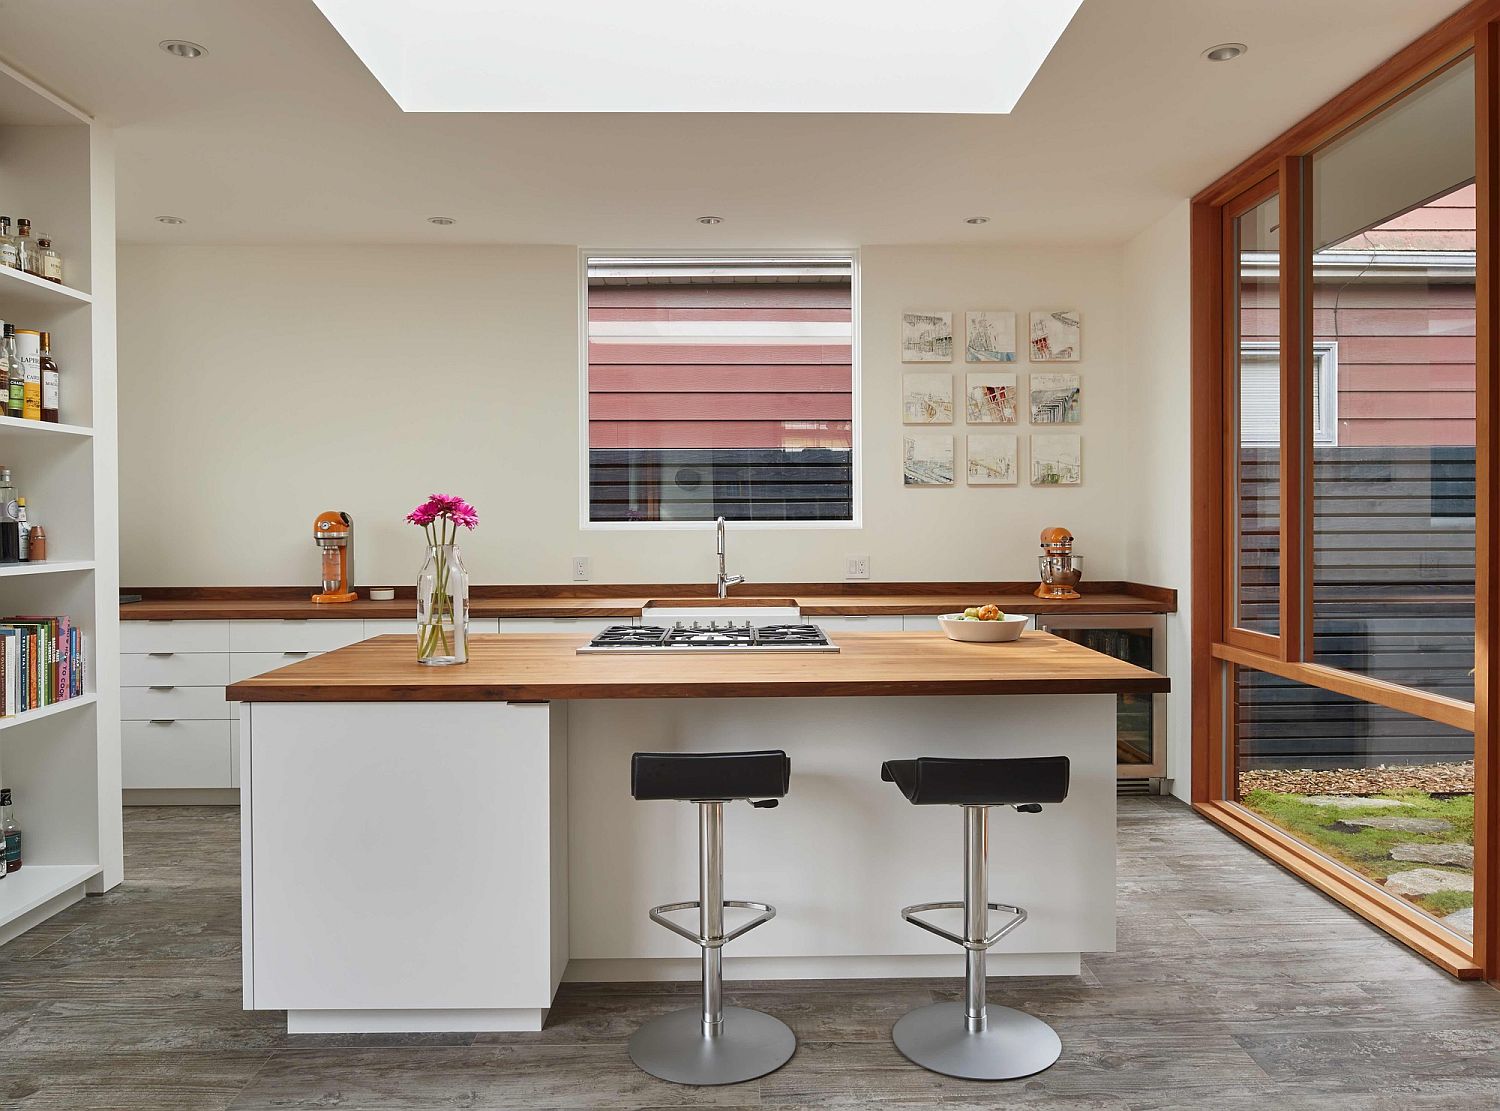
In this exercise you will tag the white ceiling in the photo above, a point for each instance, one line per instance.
(281, 135)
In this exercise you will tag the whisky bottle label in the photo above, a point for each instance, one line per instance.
(49, 391)
(13, 848)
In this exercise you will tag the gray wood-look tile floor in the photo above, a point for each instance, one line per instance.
(1234, 986)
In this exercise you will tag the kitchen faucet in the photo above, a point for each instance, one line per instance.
(725, 581)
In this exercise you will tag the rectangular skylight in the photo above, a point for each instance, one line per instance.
(937, 56)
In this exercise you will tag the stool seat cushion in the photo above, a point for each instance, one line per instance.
(1015, 781)
(695, 776)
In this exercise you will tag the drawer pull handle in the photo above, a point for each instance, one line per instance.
(162, 688)
(163, 721)
(294, 653)
(161, 655)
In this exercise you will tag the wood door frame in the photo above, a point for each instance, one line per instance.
(1217, 647)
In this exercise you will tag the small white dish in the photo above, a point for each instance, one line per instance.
(983, 632)
(382, 593)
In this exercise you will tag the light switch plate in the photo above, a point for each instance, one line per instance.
(581, 569)
(858, 568)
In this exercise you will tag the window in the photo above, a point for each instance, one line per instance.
(1260, 393)
(720, 387)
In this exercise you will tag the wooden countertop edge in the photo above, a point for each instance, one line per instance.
(269, 690)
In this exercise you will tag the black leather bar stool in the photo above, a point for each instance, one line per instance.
(712, 1044)
(970, 1039)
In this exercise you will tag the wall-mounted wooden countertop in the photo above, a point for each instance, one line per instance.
(546, 666)
(815, 599)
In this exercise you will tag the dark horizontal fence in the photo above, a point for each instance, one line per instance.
(746, 484)
(1393, 598)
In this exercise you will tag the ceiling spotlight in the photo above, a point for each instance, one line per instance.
(1225, 51)
(441, 221)
(181, 48)
(170, 220)
(977, 220)
(710, 219)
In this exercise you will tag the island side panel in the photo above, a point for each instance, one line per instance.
(844, 851)
(404, 864)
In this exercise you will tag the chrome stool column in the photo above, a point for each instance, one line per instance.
(971, 1039)
(712, 1044)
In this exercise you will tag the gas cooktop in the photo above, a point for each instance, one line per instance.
(713, 636)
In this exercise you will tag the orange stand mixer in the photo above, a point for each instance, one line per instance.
(333, 531)
(1061, 569)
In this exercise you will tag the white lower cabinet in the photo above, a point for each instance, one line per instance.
(407, 626)
(173, 753)
(920, 622)
(585, 626)
(854, 623)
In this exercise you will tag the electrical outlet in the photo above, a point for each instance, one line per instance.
(857, 568)
(581, 569)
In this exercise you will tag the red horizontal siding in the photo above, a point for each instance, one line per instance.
(720, 406)
(1374, 321)
(1401, 376)
(831, 295)
(684, 378)
(1406, 349)
(704, 353)
(1406, 432)
(709, 434)
(815, 315)
(1411, 405)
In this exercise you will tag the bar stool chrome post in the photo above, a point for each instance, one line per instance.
(972, 1040)
(712, 1044)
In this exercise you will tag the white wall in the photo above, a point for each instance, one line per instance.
(260, 385)
(1157, 285)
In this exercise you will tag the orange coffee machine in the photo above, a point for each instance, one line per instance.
(333, 531)
(1061, 569)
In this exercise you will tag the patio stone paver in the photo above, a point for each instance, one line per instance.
(1427, 881)
(1400, 825)
(1456, 854)
(1351, 802)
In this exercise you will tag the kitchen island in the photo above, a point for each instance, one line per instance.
(437, 848)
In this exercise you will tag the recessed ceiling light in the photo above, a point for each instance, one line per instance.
(441, 221)
(1225, 51)
(977, 220)
(181, 48)
(710, 219)
(170, 220)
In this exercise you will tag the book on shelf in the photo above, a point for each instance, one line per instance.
(41, 663)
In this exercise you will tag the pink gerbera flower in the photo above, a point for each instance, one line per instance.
(441, 515)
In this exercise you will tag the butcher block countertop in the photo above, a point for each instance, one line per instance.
(545, 666)
(625, 602)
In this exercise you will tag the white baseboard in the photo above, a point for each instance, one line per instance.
(463, 1020)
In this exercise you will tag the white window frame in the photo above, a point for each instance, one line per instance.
(856, 453)
(1325, 367)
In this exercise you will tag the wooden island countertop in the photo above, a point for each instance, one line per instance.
(545, 667)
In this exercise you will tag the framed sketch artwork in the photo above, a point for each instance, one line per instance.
(927, 337)
(1056, 337)
(1057, 459)
(991, 398)
(927, 459)
(991, 459)
(1056, 399)
(926, 398)
(990, 337)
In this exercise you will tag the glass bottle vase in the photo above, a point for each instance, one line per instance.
(443, 607)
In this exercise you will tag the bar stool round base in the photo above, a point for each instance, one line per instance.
(673, 1047)
(1013, 1045)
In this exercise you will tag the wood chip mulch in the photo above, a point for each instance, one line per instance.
(1435, 779)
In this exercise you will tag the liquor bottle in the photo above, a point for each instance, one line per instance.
(28, 258)
(10, 532)
(14, 400)
(23, 528)
(50, 383)
(51, 261)
(29, 348)
(11, 830)
(8, 255)
(7, 360)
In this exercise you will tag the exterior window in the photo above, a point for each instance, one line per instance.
(1260, 394)
(720, 387)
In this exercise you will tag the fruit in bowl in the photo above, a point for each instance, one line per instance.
(983, 625)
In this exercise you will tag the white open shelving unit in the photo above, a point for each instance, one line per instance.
(63, 761)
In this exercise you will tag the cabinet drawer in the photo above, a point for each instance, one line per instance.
(163, 703)
(853, 623)
(583, 626)
(182, 669)
(247, 665)
(176, 754)
(293, 636)
(920, 623)
(174, 636)
(407, 626)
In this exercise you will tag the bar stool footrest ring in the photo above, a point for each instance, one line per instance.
(911, 914)
(659, 916)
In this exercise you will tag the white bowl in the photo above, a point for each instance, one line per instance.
(983, 632)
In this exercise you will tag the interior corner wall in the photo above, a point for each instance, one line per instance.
(260, 385)
(1157, 282)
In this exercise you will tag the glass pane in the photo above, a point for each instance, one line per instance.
(1389, 795)
(1394, 306)
(720, 386)
(1257, 261)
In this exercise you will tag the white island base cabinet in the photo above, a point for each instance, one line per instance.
(443, 866)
